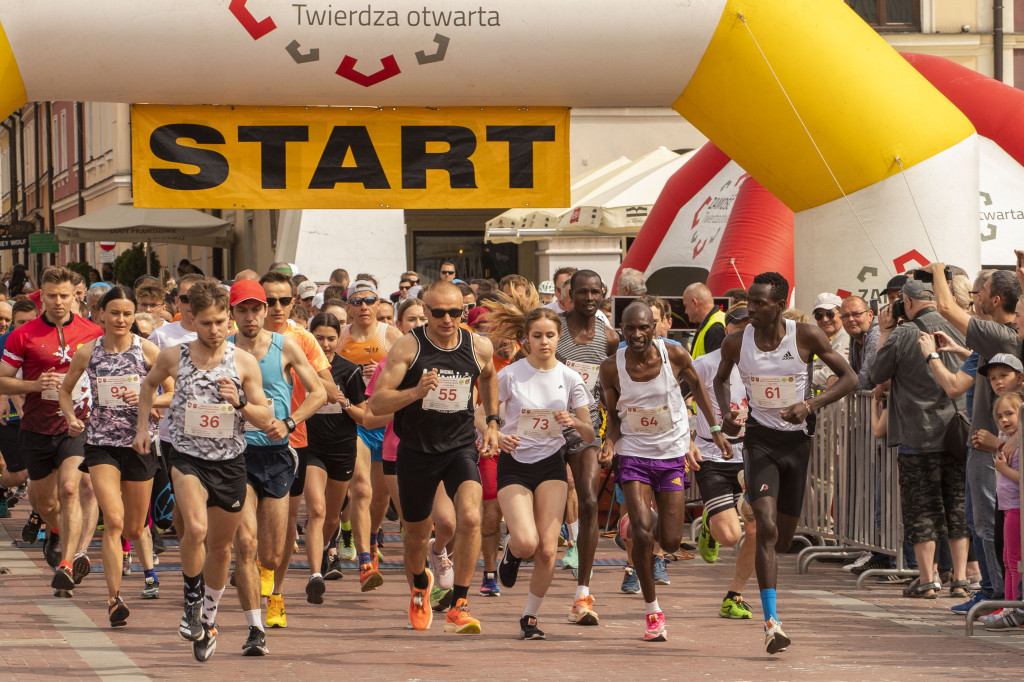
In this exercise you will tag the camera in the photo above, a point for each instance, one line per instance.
(899, 310)
(926, 277)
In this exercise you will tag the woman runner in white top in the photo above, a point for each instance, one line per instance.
(121, 478)
(540, 397)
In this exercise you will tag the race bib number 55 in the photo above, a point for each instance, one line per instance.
(450, 395)
(773, 392)
(209, 420)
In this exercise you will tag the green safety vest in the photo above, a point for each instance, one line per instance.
(717, 317)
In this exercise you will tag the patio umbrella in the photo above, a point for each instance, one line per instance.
(125, 223)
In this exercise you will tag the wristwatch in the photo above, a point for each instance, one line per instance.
(290, 423)
(493, 418)
(242, 401)
(933, 356)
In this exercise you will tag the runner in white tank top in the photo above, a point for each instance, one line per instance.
(773, 355)
(648, 429)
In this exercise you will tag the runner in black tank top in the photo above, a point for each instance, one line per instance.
(584, 343)
(428, 385)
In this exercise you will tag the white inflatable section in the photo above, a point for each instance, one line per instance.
(446, 52)
(1001, 197)
(834, 253)
(693, 237)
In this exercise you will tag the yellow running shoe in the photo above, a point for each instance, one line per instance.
(266, 582)
(458, 620)
(420, 615)
(275, 612)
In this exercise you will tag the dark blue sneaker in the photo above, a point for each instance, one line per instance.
(966, 606)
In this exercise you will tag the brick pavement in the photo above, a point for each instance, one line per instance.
(839, 632)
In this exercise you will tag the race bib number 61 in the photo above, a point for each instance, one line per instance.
(773, 392)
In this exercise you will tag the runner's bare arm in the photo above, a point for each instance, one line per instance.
(944, 301)
(814, 340)
(723, 391)
(316, 394)
(612, 339)
(150, 351)
(10, 385)
(163, 369)
(79, 362)
(256, 411)
(387, 399)
(609, 377)
(680, 358)
(487, 383)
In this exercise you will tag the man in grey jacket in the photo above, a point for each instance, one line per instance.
(860, 323)
(932, 480)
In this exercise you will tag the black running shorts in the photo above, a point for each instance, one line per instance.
(10, 447)
(775, 465)
(513, 472)
(339, 467)
(300, 477)
(420, 473)
(132, 465)
(45, 453)
(719, 485)
(223, 480)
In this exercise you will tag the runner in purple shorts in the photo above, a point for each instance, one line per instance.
(648, 429)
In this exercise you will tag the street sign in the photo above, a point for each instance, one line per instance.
(42, 242)
(15, 235)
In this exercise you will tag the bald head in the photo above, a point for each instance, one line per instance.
(637, 313)
(247, 274)
(698, 302)
(443, 294)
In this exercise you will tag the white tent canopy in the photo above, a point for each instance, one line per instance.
(608, 181)
(125, 223)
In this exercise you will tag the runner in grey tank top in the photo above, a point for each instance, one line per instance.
(197, 400)
(584, 343)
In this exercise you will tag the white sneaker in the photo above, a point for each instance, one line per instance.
(444, 574)
(775, 640)
(863, 559)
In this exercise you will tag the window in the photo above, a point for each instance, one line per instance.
(62, 135)
(889, 15)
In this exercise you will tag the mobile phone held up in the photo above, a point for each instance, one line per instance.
(938, 339)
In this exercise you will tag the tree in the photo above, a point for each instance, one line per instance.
(131, 264)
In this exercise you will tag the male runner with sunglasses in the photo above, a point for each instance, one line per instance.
(365, 341)
(428, 385)
(280, 295)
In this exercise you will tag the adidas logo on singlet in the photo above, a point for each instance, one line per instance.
(787, 356)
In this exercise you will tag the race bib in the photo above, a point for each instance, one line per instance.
(77, 393)
(113, 389)
(249, 426)
(741, 417)
(451, 394)
(773, 392)
(538, 424)
(649, 419)
(209, 420)
(331, 408)
(587, 371)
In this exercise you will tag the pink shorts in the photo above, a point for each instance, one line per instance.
(489, 477)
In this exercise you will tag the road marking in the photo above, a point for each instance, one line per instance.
(71, 623)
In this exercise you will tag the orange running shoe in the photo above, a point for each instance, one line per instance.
(582, 612)
(458, 620)
(420, 614)
(369, 577)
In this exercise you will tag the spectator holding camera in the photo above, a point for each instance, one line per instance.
(998, 300)
(931, 479)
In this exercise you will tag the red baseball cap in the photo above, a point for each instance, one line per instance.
(247, 290)
(475, 313)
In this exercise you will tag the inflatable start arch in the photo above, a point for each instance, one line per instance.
(877, 165)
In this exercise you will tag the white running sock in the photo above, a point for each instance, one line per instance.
(574, 531)
(255, 619)
(582, 591)
(532, 604)
(316, 575)
(210, 602)
(652, 606)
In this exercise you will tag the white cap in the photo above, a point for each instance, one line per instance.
(318, 301)
(546, 287)
(306, 290)
(827, 302)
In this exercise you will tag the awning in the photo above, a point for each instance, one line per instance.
(125, 223)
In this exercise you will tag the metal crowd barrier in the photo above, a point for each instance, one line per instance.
(849, 473)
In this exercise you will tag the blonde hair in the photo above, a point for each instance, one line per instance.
(509, 317)
(1014, 398)
(961, 287)
(796, 315)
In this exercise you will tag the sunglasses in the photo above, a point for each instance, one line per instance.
(183, 298)
(447, 272)
(285, 301)
(356, 302)
(439, 313)
(821, 315)
(850, 316)
(404, 288)
(470, 306)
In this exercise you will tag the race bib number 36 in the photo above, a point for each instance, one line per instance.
(451, 394)
(537, 424)
(649, 419)
(773, 392)
(113, 389)
(587, 371)
(209, 420)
